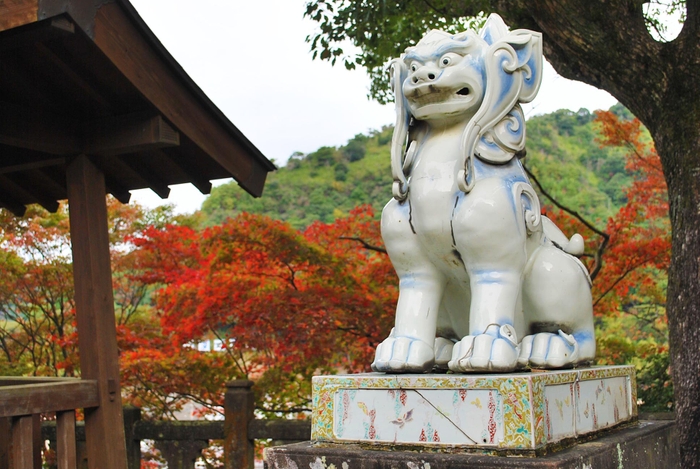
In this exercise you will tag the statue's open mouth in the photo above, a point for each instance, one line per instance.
(435, 96)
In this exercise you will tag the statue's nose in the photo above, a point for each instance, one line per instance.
(424, 74)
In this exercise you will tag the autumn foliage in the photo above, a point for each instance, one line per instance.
(37, 311)
(281, 306)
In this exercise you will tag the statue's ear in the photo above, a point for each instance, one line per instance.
(528, 49)
(513, 72)
(493, 29)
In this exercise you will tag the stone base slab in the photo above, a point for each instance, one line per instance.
(644, 444)
(525, 413)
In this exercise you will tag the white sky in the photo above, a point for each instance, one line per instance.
(250, 58)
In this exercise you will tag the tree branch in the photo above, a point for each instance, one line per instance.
(365, 244)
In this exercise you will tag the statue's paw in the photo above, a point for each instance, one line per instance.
(403, 355)
(547, 350)
(443, 352)
(496, 350)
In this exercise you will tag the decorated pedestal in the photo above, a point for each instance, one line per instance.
(517, 413)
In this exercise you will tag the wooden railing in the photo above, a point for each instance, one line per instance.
(181, 442)
(23, 400)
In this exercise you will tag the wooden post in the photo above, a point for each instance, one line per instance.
(5, 444)
(133, 446)
(239, 450)
(66, 453)
(26, 441)
(94, 305)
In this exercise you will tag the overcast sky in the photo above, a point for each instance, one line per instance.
(250, 58)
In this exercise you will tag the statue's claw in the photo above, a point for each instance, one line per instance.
(443, 352)
(495, 350)
(403, 355)
(547, 350)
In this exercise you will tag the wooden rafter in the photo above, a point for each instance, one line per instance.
(146, 176)
(202, 184)
(11, 202)
(36, 195)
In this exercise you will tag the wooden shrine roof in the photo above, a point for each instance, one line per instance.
(89, 77)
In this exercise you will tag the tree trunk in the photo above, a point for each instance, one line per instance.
(681, 158)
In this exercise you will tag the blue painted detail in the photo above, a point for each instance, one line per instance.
(505, 83)
(461, 48)
(487, 278)
(583, 336)
(510, 172)
(414, 281)
(535, 72)
(489, 144)
(504, 321)
(523, 54)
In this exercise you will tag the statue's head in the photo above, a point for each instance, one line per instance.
(478, 78)
(444, 75)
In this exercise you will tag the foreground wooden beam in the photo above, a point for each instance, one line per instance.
(36, 396)
(94, 304)
(129, 134)
(57, 135)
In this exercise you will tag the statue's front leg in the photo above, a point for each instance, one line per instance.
(492, 343)
(410, 346)
(490, 237)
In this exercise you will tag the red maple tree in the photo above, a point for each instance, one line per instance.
(279, 305)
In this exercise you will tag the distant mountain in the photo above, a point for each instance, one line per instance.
(562, 152)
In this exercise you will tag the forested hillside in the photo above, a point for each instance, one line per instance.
(563, 152)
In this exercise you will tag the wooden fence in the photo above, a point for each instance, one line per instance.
(181, 442)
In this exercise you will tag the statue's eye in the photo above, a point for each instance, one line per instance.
(414, 67)
(448, 59)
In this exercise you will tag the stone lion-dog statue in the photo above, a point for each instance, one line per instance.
(486, 282)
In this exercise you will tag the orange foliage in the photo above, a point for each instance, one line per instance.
(282, 306)
(640, 235)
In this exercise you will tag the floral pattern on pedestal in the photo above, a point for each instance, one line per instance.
(515, 411)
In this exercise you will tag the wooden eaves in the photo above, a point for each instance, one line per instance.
(92, 103)
(89, 77)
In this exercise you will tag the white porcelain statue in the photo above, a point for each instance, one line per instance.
(487, 283)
